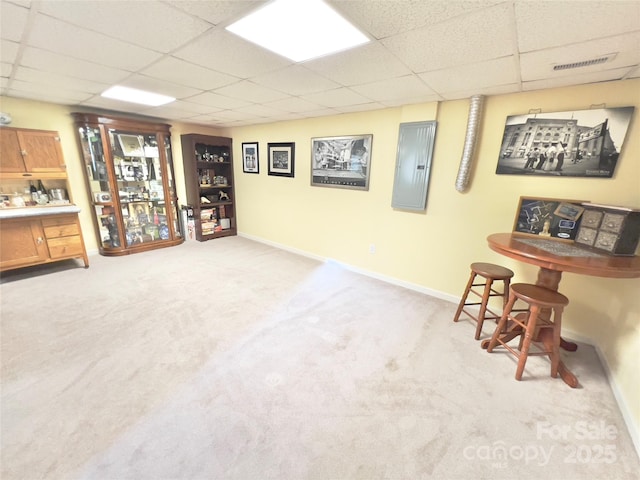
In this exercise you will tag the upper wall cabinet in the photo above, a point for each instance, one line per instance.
(24, 152)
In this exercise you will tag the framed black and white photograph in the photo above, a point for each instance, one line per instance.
(281, 159)
(250, 158)
(579, 143)
(341, 162)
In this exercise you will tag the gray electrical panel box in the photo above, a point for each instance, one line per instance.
(413, 165)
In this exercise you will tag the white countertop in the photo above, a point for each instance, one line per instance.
(19, 212)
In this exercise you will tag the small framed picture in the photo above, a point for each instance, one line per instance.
(250, 160)
(281, 159)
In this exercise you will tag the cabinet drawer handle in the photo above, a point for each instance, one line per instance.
(23, 153)
(39, 240)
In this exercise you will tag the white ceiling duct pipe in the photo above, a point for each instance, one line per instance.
(475, 110)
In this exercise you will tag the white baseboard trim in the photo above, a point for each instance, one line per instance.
(622, 404)
(362, 271)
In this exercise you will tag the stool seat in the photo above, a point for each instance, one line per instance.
(489, 270)
(528, 325)
(490, 273)
(542, 296)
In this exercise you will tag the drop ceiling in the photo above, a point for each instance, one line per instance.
(68, 52)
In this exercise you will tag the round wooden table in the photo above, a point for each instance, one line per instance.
(553, 258)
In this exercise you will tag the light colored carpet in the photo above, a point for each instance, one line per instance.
(235, 360)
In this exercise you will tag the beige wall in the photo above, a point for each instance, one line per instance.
(433, 249)
(428, 250)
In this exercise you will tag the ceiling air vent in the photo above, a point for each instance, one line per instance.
(584, 63)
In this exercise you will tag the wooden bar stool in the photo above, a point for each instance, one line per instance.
(490, 273)
(533, 326)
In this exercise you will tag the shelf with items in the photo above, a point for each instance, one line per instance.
(129, 173)
(208, 166)
(38, 221)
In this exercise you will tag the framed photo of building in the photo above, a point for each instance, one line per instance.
(341, 162)
(579, 143)
(250, 160)
(281, 159)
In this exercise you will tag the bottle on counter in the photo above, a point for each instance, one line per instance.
(34, 192)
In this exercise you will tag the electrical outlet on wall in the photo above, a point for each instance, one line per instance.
(372, 248)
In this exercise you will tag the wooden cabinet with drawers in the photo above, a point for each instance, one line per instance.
(28, 241)
(34, 232)
(615, 230)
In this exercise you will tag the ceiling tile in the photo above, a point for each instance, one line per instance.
(295, 80)
(364, 107)
(60, 81)
(539, 64)
(488, 91)
(481, 35)
(5, 69)
(190, 107)
(170, 111)
(53, 93)
(218, 101)
(249, 91)
(57, 36)
(473, 76)
(8, 51)
(153, 25)
(576, 79)
(142, 82)
(46, 61)
(260, 110)
(176, 70)
(215, 11)
(364, 64)
(336, 97)
(293, 105)
(409, 86)
(552, 23)
(223, 51)
(385, 18)
(13, 20)
(459, 48)
(115, 105)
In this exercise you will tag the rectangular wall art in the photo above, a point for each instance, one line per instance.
(342, 162)
(282, 159)
(579, 143)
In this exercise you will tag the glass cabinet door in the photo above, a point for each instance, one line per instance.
(100, 189)
(131, 182)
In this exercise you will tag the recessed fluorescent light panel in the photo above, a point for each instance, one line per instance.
(299, 30)
(133, 95)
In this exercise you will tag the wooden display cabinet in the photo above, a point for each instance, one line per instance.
(208, 172)
(130, 179)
